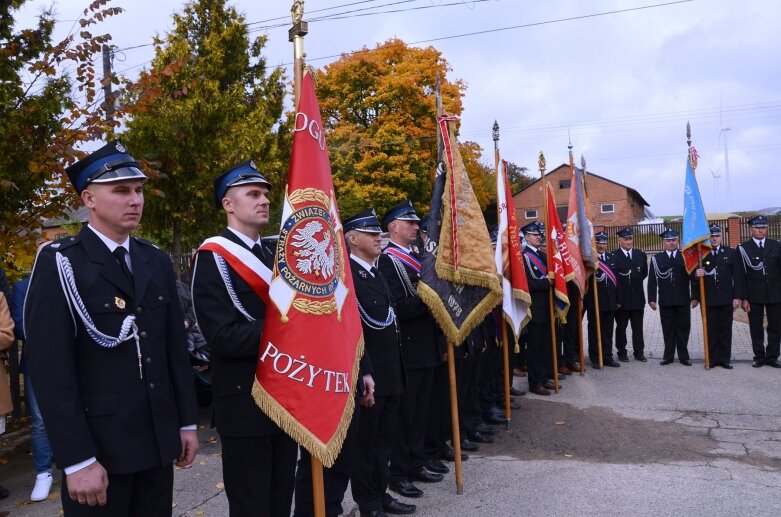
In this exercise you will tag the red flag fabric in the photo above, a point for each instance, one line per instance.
(312, 340)
(575, 227)
(559, 268)
(509, 257)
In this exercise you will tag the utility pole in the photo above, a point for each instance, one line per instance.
(108, 94)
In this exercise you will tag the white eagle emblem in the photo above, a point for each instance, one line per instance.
(315, 256)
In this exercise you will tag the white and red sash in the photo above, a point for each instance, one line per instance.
(243, 262)
(604, 267)
(405, 257)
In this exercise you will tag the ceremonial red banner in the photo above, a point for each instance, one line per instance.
(558, 257)
(312, 340)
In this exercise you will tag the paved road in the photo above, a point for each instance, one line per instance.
(638, 440)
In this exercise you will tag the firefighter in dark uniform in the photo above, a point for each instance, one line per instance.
(539, 356)
(632, 269)
(762, 296)
(400, 266)
(106, 351)
(609, 301)
(668, 277)
(258, 458)
(380, 411)
(723, 279)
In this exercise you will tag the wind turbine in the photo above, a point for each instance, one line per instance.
(716, 193)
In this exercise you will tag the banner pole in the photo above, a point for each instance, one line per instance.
(456, 434)
(506, 361)
(703, 310)
(551, 315)
(597, 318)
(580, 334)
(296, 35)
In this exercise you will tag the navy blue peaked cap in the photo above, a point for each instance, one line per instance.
(108, 164)
(626, 232)
(715, 229)
(759, 221)
(244, 173)
(403, 211)
(669, 234)
(364, 221)
(534, 228)
(600, 237)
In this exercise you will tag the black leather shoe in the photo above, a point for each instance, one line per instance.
(480, 438)
(494, 420)
(513, 405)
(398, 508)
(757, 363)
(373, 513)
(449, 455)
(686, 362)
(468, 445)
(406, 488)
(424, 476)
(595, 366)
(3, 492)
(773, 364)
(665, 362)
(612, 364)
(437, 466)
(623, 358)
(726, 366)
(641, 358)
(516, 392)
(485, 429)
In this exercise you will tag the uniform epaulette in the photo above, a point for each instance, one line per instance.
(63, 243)
(146, 242)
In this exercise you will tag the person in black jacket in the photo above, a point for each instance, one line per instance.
(668, 277)
(106, 351)
(379, 418)
(258, 458)
(400, 265)
(609, 301)
(539, 355)
(723, 280)
(632, 269)
(762, 296)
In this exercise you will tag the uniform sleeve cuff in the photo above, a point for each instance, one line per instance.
(77, 467)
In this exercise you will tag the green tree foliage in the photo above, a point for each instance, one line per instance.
(42, 122)
(206, 104)
(519, 177)
(379, 111)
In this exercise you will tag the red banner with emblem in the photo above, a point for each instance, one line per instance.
(312, 340)
(559, 267)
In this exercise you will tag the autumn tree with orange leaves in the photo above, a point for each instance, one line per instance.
(379, 110)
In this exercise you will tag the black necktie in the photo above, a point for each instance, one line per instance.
(373, 271)
(762, 244)
(120, 253)
(257, 250)
(602, 256)
(629, 255)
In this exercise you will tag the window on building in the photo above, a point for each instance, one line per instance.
(608, 208)
(564, 183)
(530, 214)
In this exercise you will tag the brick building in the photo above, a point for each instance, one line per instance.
(611, 203)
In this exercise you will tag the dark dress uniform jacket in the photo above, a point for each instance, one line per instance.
(92, 398)
(418, 329)
(381, 346)
(538, 289)
(763, 287)
(630, 278)
(608, 293)
(234, 344)
(726, 283)
(675, 290)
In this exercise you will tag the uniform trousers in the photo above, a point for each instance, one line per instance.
(606, 321)
(676, 324)
(142, 494)
(623, 319)
(438, 425)
(539, 356)
(369, 478)
(335, 478)
(719, 333)
(492, 377)
(414, 407)
(467, 373)
(756, 328)
(259, 474)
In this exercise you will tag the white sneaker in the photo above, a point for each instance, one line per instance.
(43, 484)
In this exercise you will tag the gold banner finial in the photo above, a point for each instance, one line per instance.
(297, 11)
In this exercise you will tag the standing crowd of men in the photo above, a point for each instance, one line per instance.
(107, 357)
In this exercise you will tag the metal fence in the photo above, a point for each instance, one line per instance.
(773, 227)
(646, 236)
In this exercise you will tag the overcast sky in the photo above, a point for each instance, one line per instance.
(622, 85)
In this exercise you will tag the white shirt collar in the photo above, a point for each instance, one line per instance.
(400, 246)
(535, 250)
(365, 265)
(758, 242)
(109, 243)
(246, 240)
